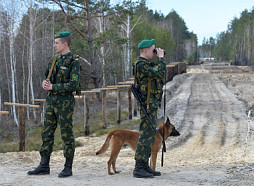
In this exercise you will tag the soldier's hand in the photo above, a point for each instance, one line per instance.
(160, 52)
(44, 84)
(47, 85)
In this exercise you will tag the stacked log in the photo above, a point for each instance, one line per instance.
(175, 68)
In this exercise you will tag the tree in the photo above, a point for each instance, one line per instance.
(237, 42)
(13, 59)
(179, 32)
(85, 11)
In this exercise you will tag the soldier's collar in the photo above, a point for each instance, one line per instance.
(66, 55)
(143, 59)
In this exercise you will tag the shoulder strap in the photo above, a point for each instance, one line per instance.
(135, 73)
(148, 92)
(72, 59)
(52, 66)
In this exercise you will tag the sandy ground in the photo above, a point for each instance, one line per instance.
(208, 109)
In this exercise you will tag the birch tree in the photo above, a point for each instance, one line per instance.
(12, 59)
(32, 29)
(101, 27)
(127, 28)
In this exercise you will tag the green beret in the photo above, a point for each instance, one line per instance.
(146, 43)
(62, 34)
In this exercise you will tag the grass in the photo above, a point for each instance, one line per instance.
(133, 124)
(33, 135)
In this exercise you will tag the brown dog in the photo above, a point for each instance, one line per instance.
(122, 137)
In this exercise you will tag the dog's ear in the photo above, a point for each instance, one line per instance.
(168, 122)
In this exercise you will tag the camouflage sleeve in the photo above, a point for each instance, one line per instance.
(73, 83)
(157, 71)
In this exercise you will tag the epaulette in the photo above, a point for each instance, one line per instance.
(75, 57)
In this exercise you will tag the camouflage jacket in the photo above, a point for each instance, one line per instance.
(146, 70)
(65, 76)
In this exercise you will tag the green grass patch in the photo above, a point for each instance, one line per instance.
(129, 125)
(33, 135)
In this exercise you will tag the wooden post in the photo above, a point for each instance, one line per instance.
(135, 107)
(118, 106)
(86, 110)
(118, 87)
(130, 103)
(104, 115)
(86, 116)
(22, 131)
(3, 112)
(127, 84)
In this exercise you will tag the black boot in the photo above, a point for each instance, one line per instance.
(140, 172)
(151, 171)
(67, 171)
(43, 168)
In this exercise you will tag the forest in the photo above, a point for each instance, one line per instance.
(235, 44)
(105, 36)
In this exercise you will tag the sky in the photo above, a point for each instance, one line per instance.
(206, 18)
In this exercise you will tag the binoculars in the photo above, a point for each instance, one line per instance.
(155, 51)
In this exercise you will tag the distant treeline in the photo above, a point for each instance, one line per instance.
(236, 44)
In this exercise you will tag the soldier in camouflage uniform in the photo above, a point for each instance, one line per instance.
(148, 80)
(62, 82)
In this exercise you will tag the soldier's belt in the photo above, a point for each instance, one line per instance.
(60, 93)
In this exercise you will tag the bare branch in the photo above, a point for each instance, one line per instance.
(136, 23)
(68, 3)
(70, 22)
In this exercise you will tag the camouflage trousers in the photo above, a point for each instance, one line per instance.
(59, 110)
(147, 136)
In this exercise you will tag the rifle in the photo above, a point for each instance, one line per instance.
(52, 66)
(139, 100)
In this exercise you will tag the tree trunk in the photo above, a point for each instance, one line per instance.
(102, 49)
(12, 61)
(90, 44)
(127, 63)
(32, 20)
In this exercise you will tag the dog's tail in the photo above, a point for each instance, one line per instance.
(105, 146)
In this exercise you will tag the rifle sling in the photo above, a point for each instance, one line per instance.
(52, 66)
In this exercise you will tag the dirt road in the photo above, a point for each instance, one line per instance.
(208, 109)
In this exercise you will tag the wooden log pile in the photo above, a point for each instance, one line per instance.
(175, 68)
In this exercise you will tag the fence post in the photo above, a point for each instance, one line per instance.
(135, 107)
(130, 103)
(118, 106)
(104, 114)
(22, 131)
(22, 128)
(86, 116)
